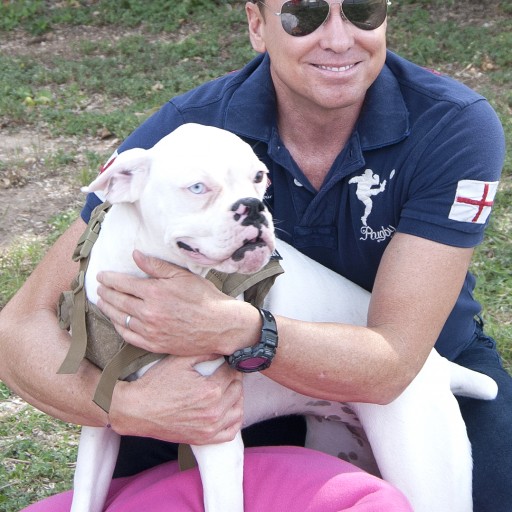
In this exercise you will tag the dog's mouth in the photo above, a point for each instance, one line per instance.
(238, 255)
(248, 245)
(186, 247)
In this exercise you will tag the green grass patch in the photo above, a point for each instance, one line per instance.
(16, 264)
(18, 261)
(38, 16)
(126, 77)
(38, 454)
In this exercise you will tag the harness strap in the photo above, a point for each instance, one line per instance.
(255, 287)
(74, 316)
(186, 457)
(107, 349)
(116, 369)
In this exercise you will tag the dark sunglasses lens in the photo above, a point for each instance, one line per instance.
(365, 14)
(302, 17)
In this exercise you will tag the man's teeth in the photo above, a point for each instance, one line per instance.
(333, 68)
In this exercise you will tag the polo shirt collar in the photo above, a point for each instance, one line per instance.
(252, 109)
(251, 113)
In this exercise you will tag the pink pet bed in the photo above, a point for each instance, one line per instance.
(276, 479)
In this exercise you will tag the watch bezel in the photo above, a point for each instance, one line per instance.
(265, 349)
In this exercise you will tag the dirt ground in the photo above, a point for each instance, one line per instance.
(30, 193)
(32, 190)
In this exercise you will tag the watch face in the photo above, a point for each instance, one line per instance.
(253, 364)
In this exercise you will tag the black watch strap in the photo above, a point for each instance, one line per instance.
(259, 356)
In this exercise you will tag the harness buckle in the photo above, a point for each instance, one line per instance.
(80, 281)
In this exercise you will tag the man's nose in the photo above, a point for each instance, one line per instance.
(336, 31)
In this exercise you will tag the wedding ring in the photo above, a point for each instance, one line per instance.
(127, 321)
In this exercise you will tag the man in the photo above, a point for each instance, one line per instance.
(380, 170)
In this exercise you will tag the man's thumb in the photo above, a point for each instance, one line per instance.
(155, 267)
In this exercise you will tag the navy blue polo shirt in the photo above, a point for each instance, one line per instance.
(424, 159)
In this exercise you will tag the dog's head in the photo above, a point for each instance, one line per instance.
(198, 197)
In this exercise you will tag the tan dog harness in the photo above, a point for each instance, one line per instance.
(92, 334)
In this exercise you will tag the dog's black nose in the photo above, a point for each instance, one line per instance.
(249, 209)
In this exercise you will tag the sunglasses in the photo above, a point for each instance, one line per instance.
(302, 17)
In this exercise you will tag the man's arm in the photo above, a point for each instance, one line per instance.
(171, 402)
(33, 345)
(416, 287)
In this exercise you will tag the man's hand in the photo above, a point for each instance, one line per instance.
(173, 402)
(172, 311)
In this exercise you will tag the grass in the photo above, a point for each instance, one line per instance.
(138, 72)
(38, 456)
(19, 260)
(158, 51)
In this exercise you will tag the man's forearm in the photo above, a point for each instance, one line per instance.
(33, 345)
(32, 374)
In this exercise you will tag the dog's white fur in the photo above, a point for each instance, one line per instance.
(180, 201)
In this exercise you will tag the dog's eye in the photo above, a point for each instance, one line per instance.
(198, 188)
(259, 177)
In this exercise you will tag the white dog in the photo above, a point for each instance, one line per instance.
(194, 199)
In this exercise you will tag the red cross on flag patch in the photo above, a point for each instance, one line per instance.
(473, 201)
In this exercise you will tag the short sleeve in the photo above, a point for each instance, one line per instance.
(453, 187)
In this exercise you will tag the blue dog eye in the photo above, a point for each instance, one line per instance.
(197, 188)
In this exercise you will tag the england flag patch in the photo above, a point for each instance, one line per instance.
(473, 201)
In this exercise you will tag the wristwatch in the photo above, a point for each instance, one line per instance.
(259, 356)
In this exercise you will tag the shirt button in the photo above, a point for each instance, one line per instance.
(297, 182)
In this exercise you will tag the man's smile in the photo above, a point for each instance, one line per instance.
(336, 69)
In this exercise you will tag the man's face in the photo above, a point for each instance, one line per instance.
(330, 68)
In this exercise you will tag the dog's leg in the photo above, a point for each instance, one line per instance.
(222, 467)
(420, 442)
(97, 454)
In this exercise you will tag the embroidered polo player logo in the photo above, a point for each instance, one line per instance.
(368, 185)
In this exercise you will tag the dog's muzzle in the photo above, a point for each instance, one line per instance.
(250, 211)
(243, 242)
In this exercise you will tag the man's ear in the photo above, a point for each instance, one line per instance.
(255, 23)
(123, 180)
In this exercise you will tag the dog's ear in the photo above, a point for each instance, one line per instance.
(123, 180)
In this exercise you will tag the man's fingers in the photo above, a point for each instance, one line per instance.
(155, 267)
(218, 414)
(123, 283)
(179, 404)
(226, 419)
(224, 375)
(117, 305)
